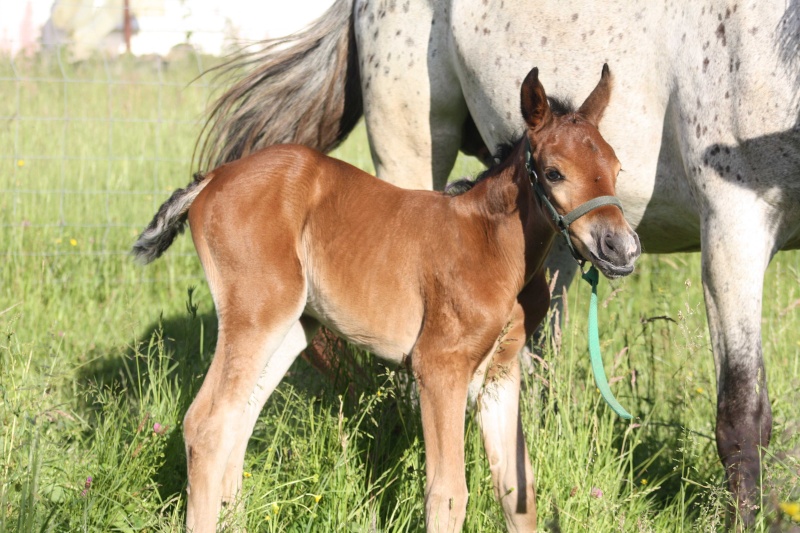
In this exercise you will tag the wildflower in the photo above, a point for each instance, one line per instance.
(73, 242)
(700, 390)
(247, 474)
(644, 481)
(596, 493)
(275, 508)
(317, 498)
(86, 486)
(20, 163)
(791, 509)
(158, 429)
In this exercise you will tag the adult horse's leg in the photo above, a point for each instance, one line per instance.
(413, 106)
(499, 414)
(737, 246)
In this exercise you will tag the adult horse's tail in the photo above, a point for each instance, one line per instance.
(168, 222)
(302, 89)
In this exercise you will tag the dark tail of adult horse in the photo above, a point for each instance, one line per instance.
(302, 89)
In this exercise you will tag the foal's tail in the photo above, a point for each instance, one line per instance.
(303, 89)
(169, 221)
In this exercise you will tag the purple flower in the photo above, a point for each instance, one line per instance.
(596, 493)
(86, 486)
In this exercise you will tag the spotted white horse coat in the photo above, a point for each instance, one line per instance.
(704, 118)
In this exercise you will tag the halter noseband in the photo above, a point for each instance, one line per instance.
(563, 222)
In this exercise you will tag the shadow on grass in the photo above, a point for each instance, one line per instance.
(175, 353)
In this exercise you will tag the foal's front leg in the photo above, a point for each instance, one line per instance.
(501, 427)
(499, 414)
(443, 379)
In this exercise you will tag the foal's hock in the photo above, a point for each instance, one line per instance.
(290, 239)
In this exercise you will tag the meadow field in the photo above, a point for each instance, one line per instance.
(100, 357)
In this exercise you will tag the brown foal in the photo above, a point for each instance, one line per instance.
(290, 239)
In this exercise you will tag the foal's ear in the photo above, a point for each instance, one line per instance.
(596, 103)
(535, 108)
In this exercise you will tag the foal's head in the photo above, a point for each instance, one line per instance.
(574, 164)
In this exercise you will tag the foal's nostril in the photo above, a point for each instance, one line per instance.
(608, 240)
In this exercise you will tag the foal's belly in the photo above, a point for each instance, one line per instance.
(384, 327)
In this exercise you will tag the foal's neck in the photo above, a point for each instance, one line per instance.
(505, 200)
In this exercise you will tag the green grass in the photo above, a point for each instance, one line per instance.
(95, 350)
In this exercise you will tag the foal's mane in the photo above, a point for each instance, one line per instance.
(558, 106)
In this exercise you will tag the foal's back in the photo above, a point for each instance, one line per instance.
(327, 241)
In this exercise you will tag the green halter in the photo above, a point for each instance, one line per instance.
(591, 276)
(563, 222)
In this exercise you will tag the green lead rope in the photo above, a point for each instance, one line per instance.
(592, 276)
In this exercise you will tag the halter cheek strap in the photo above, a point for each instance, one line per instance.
(563, 222)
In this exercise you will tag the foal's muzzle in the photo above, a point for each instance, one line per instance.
(614, 252)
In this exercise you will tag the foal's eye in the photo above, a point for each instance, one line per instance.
(553, 175)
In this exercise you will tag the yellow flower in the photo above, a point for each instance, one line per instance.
(792, 509)
(700, 390)
(267, 517)
(644, 481)
(275, 508)
(73, 242)
(247, 474)
(20, 163)
(317, 498)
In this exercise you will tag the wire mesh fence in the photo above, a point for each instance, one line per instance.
(80, 142)
(88, 151)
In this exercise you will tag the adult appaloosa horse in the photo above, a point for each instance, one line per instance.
(290, 239)
(706, 119)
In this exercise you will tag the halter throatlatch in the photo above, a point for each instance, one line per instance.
(563, 222)
(591, 276)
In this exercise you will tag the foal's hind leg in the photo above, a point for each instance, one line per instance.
(295, 341)
(248, 338)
